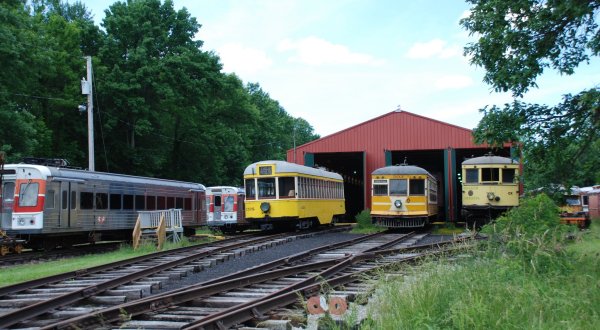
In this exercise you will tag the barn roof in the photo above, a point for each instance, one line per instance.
(396, 130)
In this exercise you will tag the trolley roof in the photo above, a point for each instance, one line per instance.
(225, 188)
(58, 173)
(285, 167)
(401, 170)
(488, 160)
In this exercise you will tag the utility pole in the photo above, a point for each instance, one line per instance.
(86, 88)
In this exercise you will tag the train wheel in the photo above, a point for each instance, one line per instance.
(3, 250)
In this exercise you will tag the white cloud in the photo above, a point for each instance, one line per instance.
(316, 51)
(434, 48)
(453, 82)
(243, 60)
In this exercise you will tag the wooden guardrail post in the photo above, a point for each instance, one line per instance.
(161, 232)
(137, 233)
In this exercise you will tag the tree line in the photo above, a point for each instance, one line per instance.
(162, 105)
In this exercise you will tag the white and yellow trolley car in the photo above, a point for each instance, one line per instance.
(403, 196)
(490, 186)
(285, 195)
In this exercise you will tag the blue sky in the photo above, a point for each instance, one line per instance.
(338, 63)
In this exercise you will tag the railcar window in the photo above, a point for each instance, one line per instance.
(472, 175)
(398, 186)
(286, 187)
(250, 189)
(65, 201)
(170, 202)
(73, 200)
(28, 194)
(140, 202)
(7, 193)
(228, 204)
(115, 201)
(432, 191)
(49, 204)
(151, 203)
(585, 200)
(380, 188)
(266, 188)
(417, 187)
(86, 200)
(161, 203)
(101, 201)
(508, 175)
(490, 174)
(178, 203)
(187, 204)
(127, 202)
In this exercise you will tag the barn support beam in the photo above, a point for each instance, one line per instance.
(450, 184)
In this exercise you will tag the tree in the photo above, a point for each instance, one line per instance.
(517, 40)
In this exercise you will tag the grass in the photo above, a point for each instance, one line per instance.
(364, 224)
(23, 273)
(520, 278)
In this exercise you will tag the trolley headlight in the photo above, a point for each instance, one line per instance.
(490, 196)
(21, 222)
(398, 203)
(265, 207)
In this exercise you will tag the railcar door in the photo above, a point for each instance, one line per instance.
(68, 204)
(217, 212)
(7, 196)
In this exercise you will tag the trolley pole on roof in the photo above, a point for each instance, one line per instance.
(86, 88)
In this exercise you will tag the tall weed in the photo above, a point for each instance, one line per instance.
(531, 235)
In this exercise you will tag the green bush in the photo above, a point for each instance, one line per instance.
(531, 234)
(363, 219)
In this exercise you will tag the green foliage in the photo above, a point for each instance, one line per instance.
(364, 223)
(531, 234)
(561, 143)
(163, 108)
(497, 290)
(363, 219)
(517, 39)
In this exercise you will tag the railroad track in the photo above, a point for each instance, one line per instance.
(75, 251)
(249, 294)
(128, 279)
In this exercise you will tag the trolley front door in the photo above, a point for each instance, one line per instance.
(217, 213)
(7, 197)
(68, 204)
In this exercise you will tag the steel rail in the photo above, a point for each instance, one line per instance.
(289, 295)
(137, 307)
(87, 271)
(159, 302)
(134, 308)
(36, 309)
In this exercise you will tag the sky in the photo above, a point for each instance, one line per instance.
(338, 63)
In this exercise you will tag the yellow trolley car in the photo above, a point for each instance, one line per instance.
(287, 195)
(490, 187)
(403, 196)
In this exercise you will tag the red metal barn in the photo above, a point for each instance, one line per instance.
(391, 139)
